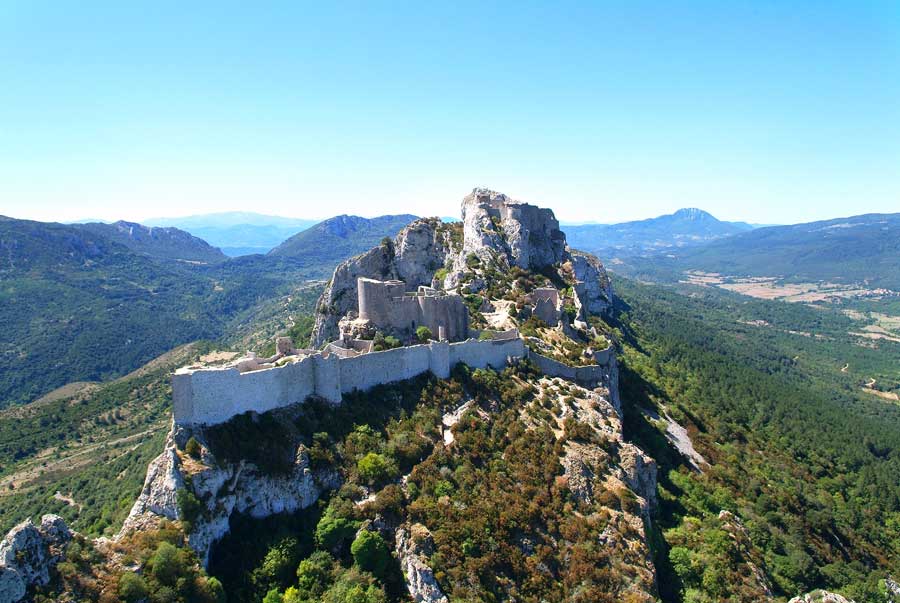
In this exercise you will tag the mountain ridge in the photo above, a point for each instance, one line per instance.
(684, 227)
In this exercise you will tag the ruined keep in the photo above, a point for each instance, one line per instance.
(546, 304)
(389, 308)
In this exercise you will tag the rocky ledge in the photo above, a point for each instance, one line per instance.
(28, 553)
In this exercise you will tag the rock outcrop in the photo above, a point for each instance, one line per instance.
(527, 235)
(497, 230)
(413, 547)
(28, 553)
(640, 475)
(221, 489)
(820, 596)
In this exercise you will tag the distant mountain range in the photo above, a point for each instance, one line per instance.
(859, 249)
(238, 233)
(685, 227)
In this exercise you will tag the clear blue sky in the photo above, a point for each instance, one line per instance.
(761, 111)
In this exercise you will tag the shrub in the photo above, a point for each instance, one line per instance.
(441, 274)
(281, 560)
(189, 507)
(424, 333)
(381, 343)
(313, 575)
(193, 448)
(375, 468)
(132, 587)
(169, 564)
(370, 552)
(214, 591)
(333, 530)
(273, 596)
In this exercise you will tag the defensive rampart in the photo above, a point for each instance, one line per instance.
(587, 374)
(214, 395)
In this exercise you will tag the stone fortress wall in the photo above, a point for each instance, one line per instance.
(213, 395)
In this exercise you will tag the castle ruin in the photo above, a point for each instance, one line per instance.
(389, 308)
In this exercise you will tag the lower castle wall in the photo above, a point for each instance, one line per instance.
(591, 373)
(481, 354)
(210, 396)
(368, 370)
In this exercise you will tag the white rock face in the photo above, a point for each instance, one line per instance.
(413, 546)
(595, 294)
(528, 235)
(640, 475)
(28, 553)
(820, 596)
(223, 489)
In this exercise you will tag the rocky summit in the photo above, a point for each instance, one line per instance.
(495, 230)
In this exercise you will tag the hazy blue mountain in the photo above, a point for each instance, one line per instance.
(688, 226)
(238, 233)
(858, 249)
(166, 243)
(340, 237)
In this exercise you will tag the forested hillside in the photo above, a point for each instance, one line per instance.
(855, 250)
(336, 239)
(159, 243)
(805, 461)
(685, 227)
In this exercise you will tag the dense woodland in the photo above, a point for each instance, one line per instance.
(807, 461)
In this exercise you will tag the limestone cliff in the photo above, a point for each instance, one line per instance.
(220, 489)
(27, 555)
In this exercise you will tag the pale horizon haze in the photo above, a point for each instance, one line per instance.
(765, 112)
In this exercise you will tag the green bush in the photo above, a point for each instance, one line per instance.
(314, 575)
(376, 468)
(169, 563)
(381, 343)
(279, 563)
(370, 552)
(333, 530)
(273, 596)
(424, 334)
(132, 587)
(193, 448)
(189, 507)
